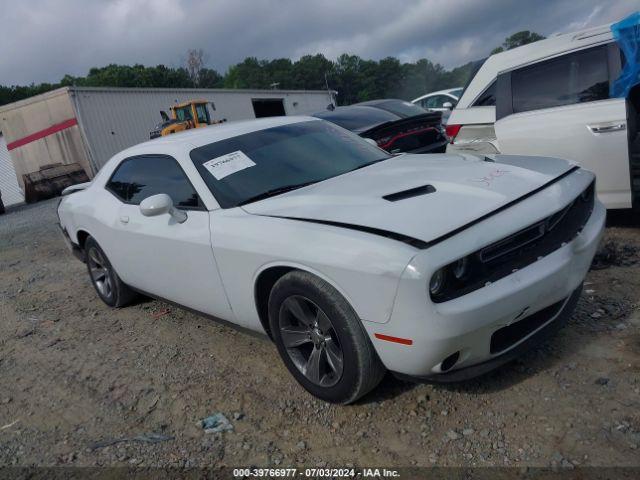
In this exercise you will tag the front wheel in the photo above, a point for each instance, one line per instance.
(111, 290)
(321, 340)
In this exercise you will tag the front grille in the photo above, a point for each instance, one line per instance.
(512, 334)
(542, 238)
(529, 244)
(522, 248)
(512, 243)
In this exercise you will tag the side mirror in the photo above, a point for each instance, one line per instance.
(448, 105)
(159, 205)
(371, 141)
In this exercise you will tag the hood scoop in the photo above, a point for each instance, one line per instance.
(412, 192)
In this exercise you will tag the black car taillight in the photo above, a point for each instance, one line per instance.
(388, 141)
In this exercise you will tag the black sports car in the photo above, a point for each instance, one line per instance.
(395, 125)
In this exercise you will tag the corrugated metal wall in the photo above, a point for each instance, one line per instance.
(11, 193)
(114, 119)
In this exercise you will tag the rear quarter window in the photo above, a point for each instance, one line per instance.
(570, 79)
(487, 98)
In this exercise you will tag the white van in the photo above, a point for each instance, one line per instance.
(551, 98)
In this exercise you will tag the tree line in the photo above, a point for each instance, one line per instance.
(356, 79)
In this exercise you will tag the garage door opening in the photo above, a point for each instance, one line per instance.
(268, 107)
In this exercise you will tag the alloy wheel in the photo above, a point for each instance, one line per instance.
(311, 341)
(100, 274)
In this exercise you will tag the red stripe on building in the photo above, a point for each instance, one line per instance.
(42, 133)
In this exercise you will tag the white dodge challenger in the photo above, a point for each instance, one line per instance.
(354, 261)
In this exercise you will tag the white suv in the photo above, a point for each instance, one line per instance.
(551, 98)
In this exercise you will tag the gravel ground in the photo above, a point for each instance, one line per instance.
(85, 385)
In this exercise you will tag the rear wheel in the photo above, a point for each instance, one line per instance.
(321, 340)
(113, 291)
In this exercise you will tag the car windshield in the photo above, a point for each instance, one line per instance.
(401, 108)
(357, 119)
(268, 162)
(456, 93)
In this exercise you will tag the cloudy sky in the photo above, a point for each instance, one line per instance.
(44, 39)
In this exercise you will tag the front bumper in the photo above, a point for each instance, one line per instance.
(551, 324)
(465, 326)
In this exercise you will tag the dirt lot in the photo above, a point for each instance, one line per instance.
(75, 376)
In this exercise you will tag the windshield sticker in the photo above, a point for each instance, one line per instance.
(225, 165)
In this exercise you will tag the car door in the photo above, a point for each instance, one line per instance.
(561, 107)
(159, 255)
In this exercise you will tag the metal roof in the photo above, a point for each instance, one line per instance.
(191, 90)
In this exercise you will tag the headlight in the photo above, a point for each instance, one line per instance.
(453, 279)
(460, 268)
(436, 285)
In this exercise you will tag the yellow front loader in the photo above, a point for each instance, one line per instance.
(184, 116)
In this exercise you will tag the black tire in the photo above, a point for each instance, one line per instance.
(360, 369)
(111, 290)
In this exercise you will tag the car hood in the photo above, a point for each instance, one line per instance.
(451, 192)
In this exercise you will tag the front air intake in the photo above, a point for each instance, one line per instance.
(506, 337)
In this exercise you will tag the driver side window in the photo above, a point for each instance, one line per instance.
(137, 178)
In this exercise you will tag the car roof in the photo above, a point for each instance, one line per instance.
(439, 92)
(531, 53)
(366, 116)
(380, 101)
(214, 133)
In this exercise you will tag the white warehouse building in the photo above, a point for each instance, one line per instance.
(85, 126)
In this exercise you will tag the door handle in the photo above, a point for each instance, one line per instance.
(607, 128)
(124, 219)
